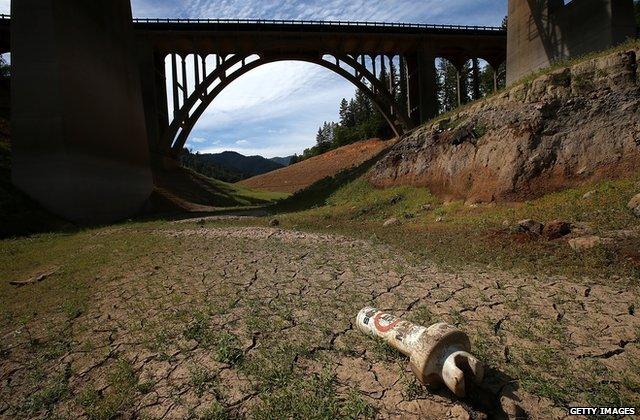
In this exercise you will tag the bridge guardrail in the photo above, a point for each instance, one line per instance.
(309, 22)
(319, 23)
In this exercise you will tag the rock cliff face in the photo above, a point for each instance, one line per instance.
(567, 127)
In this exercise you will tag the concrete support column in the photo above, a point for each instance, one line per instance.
(154, 96)
(422, 86)
(428, 85)
(413, 88)
(403, 88)
(461, 79)
(79, 138)
(475, 78)
(495, 66)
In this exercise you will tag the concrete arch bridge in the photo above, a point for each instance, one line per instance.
(93, 103)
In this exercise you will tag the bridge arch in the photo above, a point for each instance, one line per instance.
(229, 68)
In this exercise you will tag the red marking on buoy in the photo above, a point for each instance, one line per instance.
(383, 328)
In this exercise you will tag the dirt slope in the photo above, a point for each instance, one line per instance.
(300, 175)
(574, 125)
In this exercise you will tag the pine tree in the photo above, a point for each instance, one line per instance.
(447, 86)
(346, 113)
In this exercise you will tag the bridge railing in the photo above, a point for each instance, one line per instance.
(319, 23)
(310, 23)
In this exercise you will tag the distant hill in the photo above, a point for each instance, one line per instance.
(302, 174)
(284, 161)
(228, 166)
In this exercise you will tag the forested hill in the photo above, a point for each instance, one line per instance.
(227, 166)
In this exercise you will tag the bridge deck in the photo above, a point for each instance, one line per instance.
(227, 35)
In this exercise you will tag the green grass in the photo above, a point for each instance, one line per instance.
(454, 234)
(119, 396)
(311, 397)
(243, 196)
(81, 258)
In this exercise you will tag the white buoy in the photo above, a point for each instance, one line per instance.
(438, 354)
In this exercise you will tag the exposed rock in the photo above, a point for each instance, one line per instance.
(589, 195)
(390, 222)
(426, 207)
(532, 226)
(511, 408)
(274, 222)
(566, 128)
(588, 242)
(556, 229)
(634, 205)
(439, 219)
(459, 413)
(506, 223)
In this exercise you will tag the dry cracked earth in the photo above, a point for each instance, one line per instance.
(259, 322)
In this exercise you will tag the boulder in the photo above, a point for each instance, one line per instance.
(529, 225)
(634, 205)
(556, 229)
(390, 222)
(588, 242)
(589, 195)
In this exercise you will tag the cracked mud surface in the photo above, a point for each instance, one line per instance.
(259, 322)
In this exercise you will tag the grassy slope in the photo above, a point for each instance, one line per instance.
(454, 234)
(190, 185)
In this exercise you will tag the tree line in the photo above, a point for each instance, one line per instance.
(360, 119)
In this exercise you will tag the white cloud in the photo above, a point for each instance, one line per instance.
(5, 6)
(198, 140)
(242, 142)
(273, 91)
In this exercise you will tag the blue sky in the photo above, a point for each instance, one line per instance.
(276, 109)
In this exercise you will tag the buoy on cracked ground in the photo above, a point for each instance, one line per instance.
(438, 354)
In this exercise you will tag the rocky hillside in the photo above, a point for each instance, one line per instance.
(569, 126)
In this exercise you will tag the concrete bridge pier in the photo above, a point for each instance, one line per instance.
(79, 141)
(154, 96)
(422, 88)
(428, 85)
